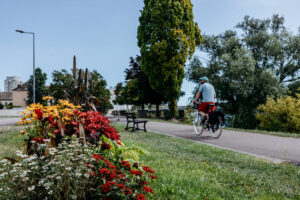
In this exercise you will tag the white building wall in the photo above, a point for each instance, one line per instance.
(11, 82)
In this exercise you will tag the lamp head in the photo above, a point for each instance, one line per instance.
(19, 31)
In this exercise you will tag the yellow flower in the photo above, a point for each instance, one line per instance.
(47, 98)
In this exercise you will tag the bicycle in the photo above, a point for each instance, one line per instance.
(215, 128)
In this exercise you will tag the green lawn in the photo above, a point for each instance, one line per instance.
(10, 141)
(188, 170)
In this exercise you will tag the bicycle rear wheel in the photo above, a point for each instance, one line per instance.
(217, 128)
(198, 127)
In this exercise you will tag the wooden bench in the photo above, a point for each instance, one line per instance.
(131, 119)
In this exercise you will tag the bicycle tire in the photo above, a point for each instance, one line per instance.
(217, 128)
(198, 127)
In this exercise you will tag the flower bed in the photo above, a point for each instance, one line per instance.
(73, 154)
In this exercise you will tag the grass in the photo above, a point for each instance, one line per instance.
(188, 170)
(10, 141)
(4, 116)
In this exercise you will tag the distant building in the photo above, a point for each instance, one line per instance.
(6, 98)
(117, 106)
(20, 95)
(11, 82)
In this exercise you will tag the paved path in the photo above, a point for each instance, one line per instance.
(265, 146)
(268, 147)
(8, 121)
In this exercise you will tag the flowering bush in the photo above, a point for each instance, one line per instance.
(73, 154)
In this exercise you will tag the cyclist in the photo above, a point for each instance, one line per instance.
(208, 98)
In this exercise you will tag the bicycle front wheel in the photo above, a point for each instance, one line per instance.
(198, 127)
(217, 128)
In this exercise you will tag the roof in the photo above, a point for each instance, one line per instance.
(6, 96)
(22, 87)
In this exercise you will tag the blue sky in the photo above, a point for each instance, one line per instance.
(102, 34)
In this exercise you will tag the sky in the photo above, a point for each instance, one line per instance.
(103, 34)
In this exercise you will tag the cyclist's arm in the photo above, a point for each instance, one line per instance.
(197, 96)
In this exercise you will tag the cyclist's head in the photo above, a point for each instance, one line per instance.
(203, 79)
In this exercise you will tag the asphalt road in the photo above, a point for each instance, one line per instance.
(274, 148)
(8, 121)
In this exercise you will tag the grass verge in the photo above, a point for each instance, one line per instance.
(10, 141)
(188, 170)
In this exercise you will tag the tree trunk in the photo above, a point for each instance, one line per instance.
(172, 108)
(157, 111)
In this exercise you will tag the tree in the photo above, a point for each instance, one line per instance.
(272, 46)
(246, 69)
(40, 88)
(138, 87)
(294, 88)
(62, 81)
(167, 36)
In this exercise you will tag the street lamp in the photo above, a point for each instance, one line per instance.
(32, 33)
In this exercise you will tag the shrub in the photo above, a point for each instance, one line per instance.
(1, 105)
(282, 114)
(9, 106)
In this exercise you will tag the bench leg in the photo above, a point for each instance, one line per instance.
(127, 126)
(133, 127)
(145, 127)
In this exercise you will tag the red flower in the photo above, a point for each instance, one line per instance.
(106, 187)
(127, 191)
(143, 182)
(104, 171)
(105, 146)
(50, 118)
(39, 113)
(148, 189)
(140, 197)
(152, 176)
(121, 186)
(113, 175)
(95, 174)
(39, 140)
(125, 164)
(136, 172)
(148, 169)
(97, 156)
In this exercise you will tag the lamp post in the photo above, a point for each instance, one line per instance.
(32, 33)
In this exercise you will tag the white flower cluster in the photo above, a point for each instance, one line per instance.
(42, 177)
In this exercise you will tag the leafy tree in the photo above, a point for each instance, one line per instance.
(137, 89)
(40, 88)
(294, 88)
(62, 80)
(246, 69)
(138, 86)
(167, 36)
(119, 98)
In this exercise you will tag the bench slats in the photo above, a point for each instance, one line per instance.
(131, 118)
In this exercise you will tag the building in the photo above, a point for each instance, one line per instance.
(11, 82)
(20, 95)
(6, 98)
